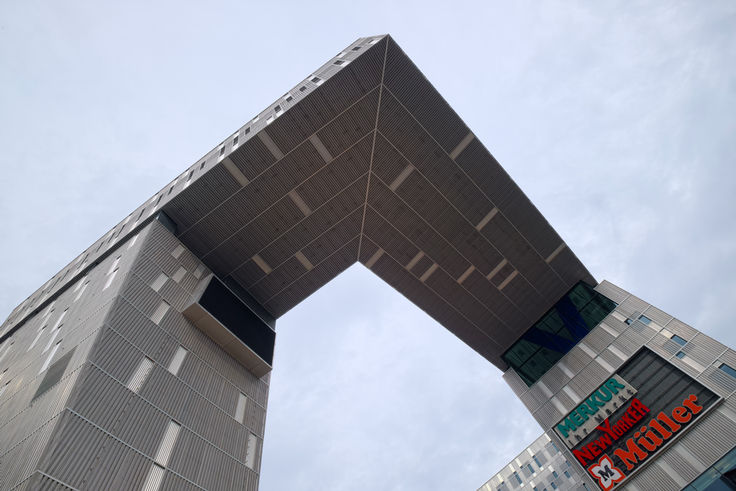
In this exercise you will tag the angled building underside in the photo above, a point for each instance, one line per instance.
(145, 362)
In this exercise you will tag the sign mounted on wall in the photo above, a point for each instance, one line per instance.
(631, 416)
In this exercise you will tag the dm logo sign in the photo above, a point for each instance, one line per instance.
(629, 418)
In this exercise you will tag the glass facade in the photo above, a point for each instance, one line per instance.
(561, 328)
(720, 476)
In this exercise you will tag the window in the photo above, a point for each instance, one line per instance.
(678, 340)
(154, 479)
(159, 282)
(531, 469)
(160, 311)
(250, 451)
(240, 407)
(554, 473)
(554, 486)
(680, 355)
(178, 250)
(557, 332)
(289, 98)
(141, 373)
(339, 62)
(179, 274)
(644, 319)
(628, 322)
(110, 278)
(356, 48)
(536, 459)
(567, 474)
(177, 360)
(728, 369)
(222, 152)
(277, 109)
(167, 443)
(721, 475)
(315, 80)
(235, 140)
(517, 477)
(247, 130)
(302, 88)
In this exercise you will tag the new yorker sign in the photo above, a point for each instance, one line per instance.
(632, 415)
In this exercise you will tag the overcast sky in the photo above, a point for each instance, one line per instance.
(618, 119)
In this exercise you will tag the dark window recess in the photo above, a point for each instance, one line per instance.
(678, 340)
(239, 319)
(628, 322)
(557, 332)
(356, 48)
(517, 477)
(235, 140)
(680, 355)
(728, 369)
(222, 152)
(53, 374)
(289, 98)
(247, 130)
(302, 88)
(339, 62)
(315, 79)
(644, 319)
(554, 486)
(277, 108)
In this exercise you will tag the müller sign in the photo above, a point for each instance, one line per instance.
(614, 432)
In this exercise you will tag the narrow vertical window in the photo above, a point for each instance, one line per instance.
(110, 278)
(177, 251)
(161, 310)
(179, 274)
(47, 362)
(250, 451)
(167, 443)
(177, 360)
(35, 340)
(141, 373)
(159, 282)
(81, 292)
(154, 479)
(240, 407)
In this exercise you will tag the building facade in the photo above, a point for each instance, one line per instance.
(666, 361)
(144, 363)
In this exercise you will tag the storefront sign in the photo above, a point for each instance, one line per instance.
(655, 402)
(601, 403)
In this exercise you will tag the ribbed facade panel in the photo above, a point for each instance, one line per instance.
(692, 452)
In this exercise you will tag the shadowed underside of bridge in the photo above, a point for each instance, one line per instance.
(366, 162)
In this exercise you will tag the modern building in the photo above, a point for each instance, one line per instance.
(661, 362)
(144, 363)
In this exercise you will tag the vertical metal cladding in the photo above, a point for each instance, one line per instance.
(606, 349)
(40, 381)
(108, 418)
